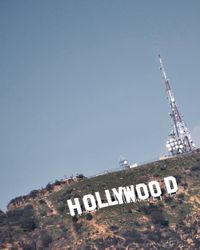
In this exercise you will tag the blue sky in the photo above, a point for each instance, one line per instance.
(80, 85)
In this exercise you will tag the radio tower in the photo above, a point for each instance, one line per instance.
(180, 140)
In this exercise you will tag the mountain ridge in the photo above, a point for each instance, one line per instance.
(42, 220)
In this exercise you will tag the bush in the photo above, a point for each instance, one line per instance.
(74, 219)
(178, 178)
(114, 228)
(33, 194)
(181, 196)
(42, 202)
(78, 227)
(57, 183)
(80, 176)
(195, 168)
(61, 208)
(158, 218)
(132, 236)
(168, 199)
(46, 239)
(49, 187)
(14, 216)
(29, 246)
(28, 224)
(154, 236)
(89, 216)
(165, 223)
(28, 221)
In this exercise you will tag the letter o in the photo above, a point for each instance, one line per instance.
(89, 202)
(155, 192)
(142, 187)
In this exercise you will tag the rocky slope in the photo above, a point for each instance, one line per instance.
(41, 220)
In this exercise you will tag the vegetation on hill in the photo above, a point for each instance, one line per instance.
(42, 220)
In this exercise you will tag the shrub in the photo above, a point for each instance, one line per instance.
(168, 199)
(114, 228)
(80, 176)
(28, 221)
(195, 168)
(178, 178)
(78, 227)
(61, 208)
(181, 196)
(28, 246)
(158, 218)
(46, 239)
(33, 194)
(74, 219)
(42, 202)
(89, 216)
(49, 187)
(57, 183)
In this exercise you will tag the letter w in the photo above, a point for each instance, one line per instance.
(129, 194)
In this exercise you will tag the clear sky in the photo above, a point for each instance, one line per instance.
(80, 85)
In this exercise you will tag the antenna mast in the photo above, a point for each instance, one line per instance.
(180, 140)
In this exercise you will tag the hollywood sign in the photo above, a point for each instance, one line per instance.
(122, 195)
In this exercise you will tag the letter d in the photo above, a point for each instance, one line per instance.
(171, 184)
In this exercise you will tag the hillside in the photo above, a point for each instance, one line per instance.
(41, 220)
